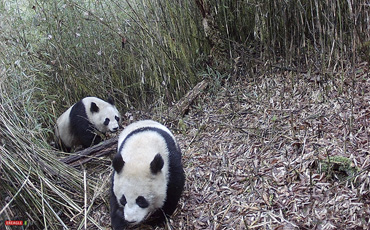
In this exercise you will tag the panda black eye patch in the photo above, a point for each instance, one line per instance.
(123, 200)
(106, 122)
(142, 202)
(117, 118)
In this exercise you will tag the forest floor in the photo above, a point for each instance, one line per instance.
(280, 150)
(275, 150)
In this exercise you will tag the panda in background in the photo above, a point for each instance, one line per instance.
(148, 177)
(81, 124)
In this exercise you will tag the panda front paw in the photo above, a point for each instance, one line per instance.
(118, 220)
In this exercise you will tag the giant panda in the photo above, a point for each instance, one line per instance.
(82, 123)
(148, 177)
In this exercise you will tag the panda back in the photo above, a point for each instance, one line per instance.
(64, 138)
(141, 124)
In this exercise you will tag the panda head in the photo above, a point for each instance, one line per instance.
(103, 115)
(140, 181)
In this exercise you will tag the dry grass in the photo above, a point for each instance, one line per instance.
(136, 51)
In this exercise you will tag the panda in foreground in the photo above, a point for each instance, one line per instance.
(81, 124)
(148, 177)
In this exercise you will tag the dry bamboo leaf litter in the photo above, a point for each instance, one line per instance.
(252, 155)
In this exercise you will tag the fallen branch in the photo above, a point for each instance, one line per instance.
(102, 149)
(182, 106)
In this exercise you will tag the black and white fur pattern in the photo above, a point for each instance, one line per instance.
(81, 124)
(148, 177)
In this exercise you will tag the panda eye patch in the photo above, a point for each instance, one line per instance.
(117, 118)
(142, 202)
(106, 122)
(123, 200)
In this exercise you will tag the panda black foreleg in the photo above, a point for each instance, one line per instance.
(81, 127)
(118, 220)
(89, 138)
(116, 213)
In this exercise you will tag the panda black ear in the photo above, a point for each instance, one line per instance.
(111, 100)
(94, 108)
(157, 164)
(118, 163)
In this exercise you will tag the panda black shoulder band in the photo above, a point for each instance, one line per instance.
(167, 137)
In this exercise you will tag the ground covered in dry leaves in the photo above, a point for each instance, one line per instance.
(279, 150)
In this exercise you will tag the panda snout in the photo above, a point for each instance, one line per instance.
(131, 221)
(114, 129)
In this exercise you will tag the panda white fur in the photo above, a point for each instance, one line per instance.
(148, 177)
(81, 123)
